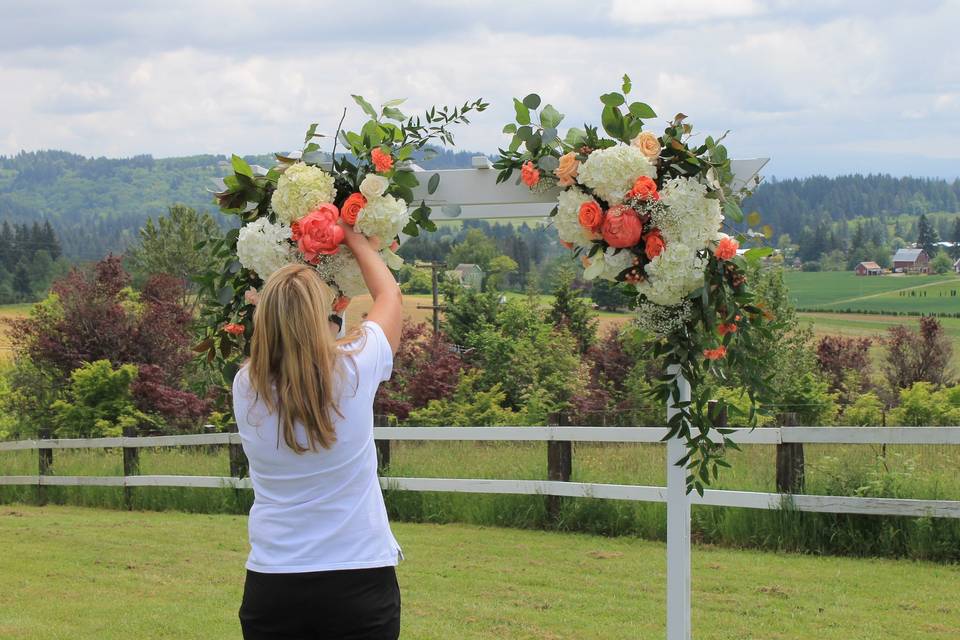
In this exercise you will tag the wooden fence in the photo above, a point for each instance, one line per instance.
(559, 441)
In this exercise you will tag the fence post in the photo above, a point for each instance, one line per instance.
(131, 466)
(45, 460)
(790, 462)
(239, 465)
(383, 446)
(559, 463)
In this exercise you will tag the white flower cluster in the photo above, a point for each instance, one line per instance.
(608, 264)
(611, 172)
(567, 219)
(264, 247)
(343, 269)
(672, 275)
(383, 217)
(300, 189)
(689, 217)
(660, 320)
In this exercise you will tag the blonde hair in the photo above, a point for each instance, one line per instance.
(294, 366)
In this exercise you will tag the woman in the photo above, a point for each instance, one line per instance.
(322, 556)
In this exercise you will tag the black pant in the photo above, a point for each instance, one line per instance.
(356, 604)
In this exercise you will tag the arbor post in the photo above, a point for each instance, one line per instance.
(678, 525)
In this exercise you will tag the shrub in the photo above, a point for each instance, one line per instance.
(472, 404)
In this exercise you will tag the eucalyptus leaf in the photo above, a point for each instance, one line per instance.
(433, 183)
(532, 101)
(225, 295)
(612, 99)
(366, 106)
(241, 167)
(549, 135)
(548, 163)
(732, 210)
(522, 111)
(550, 117)
(575, 137)
(452, 210)
(510, 128)
(642, 110)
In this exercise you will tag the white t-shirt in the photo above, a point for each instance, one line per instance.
(322, 510)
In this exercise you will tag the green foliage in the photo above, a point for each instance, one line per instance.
(417, 280)
(27, 396)
(498, 269)
(476, 248)
(99, 403)
(472, 404)
(608, 295)
(572, 312)
(941, 263)
(924, 405)
(866, 411)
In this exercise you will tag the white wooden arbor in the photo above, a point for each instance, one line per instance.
(466, 194)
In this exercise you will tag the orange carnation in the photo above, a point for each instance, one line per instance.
(591, 216)
(381, 161)
(726, 248)
(653, 244)
(529, 174)
(351, 208)
(715, 354)
(644, 188)
(233, 329)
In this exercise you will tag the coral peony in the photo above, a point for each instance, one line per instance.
(715, 354)
(567, 170)
(381, 161)
(233, 329)
(622, 227)
(317, 233)
(340, 304)
(726, 248)
(644, 188)
(529, 174)
(351, 208)
(653, 244)
(591, 216)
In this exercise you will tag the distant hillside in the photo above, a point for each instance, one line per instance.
(96, 205)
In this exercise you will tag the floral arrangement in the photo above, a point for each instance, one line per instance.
(292, 213)
(648, 211)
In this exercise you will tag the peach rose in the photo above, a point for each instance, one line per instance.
(567, 171)
(622, 227)
(233, 329)
(351, 208)
(529, 174)
(715, 354)
(591, 216)
(251, 296)
(726, 248)
(648, 144)
(381, 161)
(340, 304)
(653, 244)
(644, 188)
(317, 233)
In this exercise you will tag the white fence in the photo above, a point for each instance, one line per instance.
(640, 493)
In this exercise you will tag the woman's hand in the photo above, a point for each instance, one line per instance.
(355, 240)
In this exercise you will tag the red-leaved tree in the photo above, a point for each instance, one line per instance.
(837, 356)
(921, 356)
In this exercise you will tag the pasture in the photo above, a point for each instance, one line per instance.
(846, 291)
(113, 575)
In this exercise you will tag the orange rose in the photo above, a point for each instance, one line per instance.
(644, 188)
(529, 174)
(381, 161)
(726, 248)
(567, 171)
(340, 304)
(715, 354)
(724, 329)
(653, 244)
(351, 208)
(648, 144)
(233, 329)
(317, 233)
(622, 227)
(591, 216)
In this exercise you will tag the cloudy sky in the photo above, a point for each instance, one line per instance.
(820, 87)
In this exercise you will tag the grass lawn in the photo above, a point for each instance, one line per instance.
(72, 572)
(843, 290)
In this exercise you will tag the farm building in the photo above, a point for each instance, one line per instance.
(911, 261)
(868, 269)
(468, 274)
(956, 265)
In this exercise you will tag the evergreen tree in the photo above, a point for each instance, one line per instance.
(955, 238)
(21, 281)
(571, 311)
(927, 237)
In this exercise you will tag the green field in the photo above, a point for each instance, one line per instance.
(843, 291)
(90, 574)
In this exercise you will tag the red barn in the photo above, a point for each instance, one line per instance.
(911, 261)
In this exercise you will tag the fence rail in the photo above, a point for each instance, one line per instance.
(556, 487)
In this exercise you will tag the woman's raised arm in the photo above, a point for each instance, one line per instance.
(387, 308)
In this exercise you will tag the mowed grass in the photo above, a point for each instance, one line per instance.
(842, 290)
(70, 572)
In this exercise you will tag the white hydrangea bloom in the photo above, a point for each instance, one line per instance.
(383, 217)
(672, 275)
(567, 219)
(263, 247)
(611, 172)
(608, 264)
(300, 189)
(689, 216)
(344, 269)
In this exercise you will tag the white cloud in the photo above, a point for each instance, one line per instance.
(682, 12)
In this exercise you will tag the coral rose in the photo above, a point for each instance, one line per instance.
(591, 216)
(644, 188)
(317, 233)
(648, 144)
(529, 174)
(381, 161)
(351, 208)
(233, 329)
(715, 354)
(622, 227)
(726, 248)
(653, 244)
(567, 171)
(340, 304)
